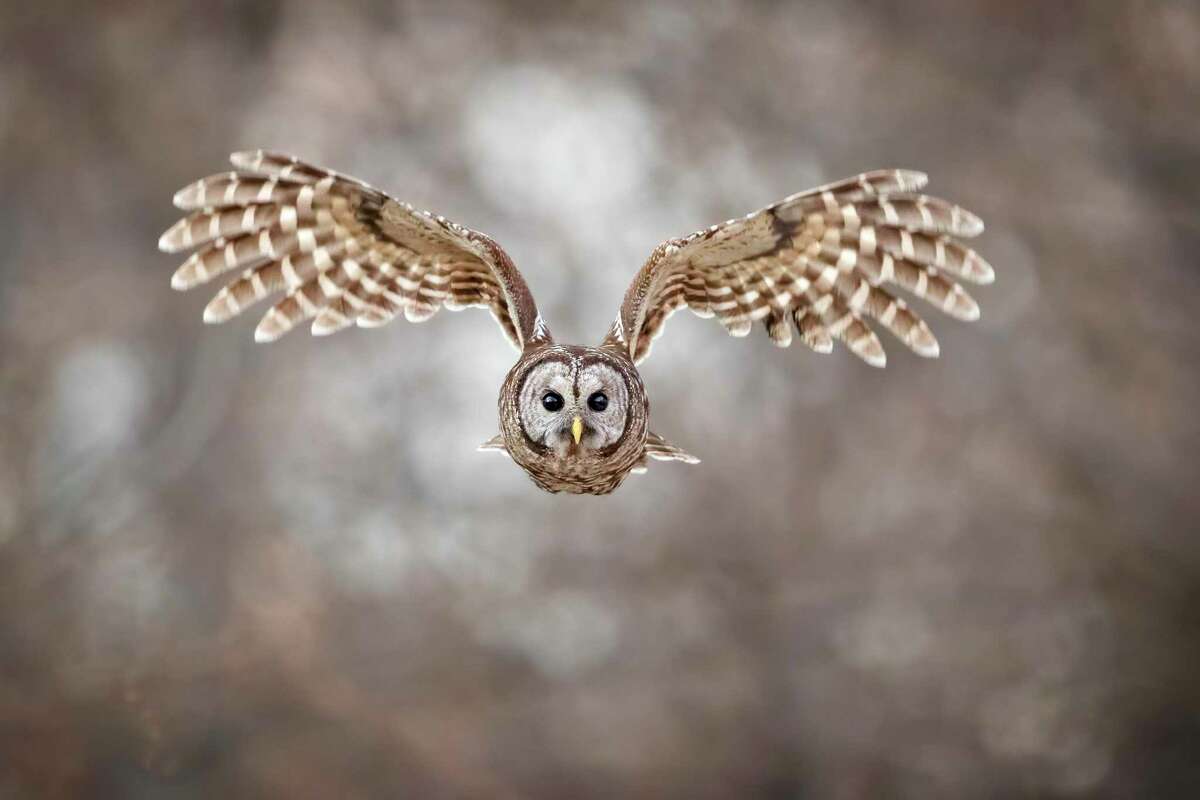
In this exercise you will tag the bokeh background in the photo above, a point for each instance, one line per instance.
(239, 570)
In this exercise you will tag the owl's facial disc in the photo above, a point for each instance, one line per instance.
(603, 402)
(573, 409)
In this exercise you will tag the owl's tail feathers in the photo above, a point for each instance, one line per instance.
(494, 444)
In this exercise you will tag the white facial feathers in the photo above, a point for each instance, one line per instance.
(607, 425)
(558, 390)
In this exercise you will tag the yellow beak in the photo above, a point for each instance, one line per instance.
(577, 429)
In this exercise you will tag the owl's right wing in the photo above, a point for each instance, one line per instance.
(660, 449)
(344, 252)
(818, 262)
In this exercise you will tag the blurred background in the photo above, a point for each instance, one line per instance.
(240, 570)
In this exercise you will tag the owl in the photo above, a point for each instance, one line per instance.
(814, 266)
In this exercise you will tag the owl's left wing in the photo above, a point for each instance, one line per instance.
(817, 261)
(343, 251)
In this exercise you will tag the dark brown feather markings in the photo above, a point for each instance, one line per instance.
(816, 263)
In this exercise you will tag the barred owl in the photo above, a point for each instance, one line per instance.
(815, 265)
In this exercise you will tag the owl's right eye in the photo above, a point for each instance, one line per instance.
(552, 401)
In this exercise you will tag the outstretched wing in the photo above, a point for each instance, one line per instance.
(660, 449)
(817, 262)
(342, 251)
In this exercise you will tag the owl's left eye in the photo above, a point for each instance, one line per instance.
(598, 401)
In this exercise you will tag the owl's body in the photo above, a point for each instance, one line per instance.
(612, 441)
(576, 418)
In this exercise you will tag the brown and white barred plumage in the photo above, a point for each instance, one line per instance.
(342, 252)
(817, 261)
(590, 472)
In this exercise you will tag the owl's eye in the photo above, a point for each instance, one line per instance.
(598, 401)
(552, 401)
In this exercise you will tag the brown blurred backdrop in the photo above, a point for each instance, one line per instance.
(237, 570)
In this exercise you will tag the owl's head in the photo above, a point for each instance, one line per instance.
(565, 408)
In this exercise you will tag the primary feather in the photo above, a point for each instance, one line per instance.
(341, 251)
(816, 263)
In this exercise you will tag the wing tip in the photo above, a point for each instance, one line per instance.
(494, 445)
(970, 225)
(982, 271)
(968, 309)
(929, 349)
(329, 322)
(674, 455)
(877, 360)
(370, 322)
(911, 179)
(264, 335)
(250, 160)
(188, 197)
(172, 240)
(217, 310)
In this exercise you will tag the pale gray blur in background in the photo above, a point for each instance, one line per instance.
(239, 570)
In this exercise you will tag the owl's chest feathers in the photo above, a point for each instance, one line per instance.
(580, 476)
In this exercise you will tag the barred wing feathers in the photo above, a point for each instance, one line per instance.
(342, 251)
(817, 263)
